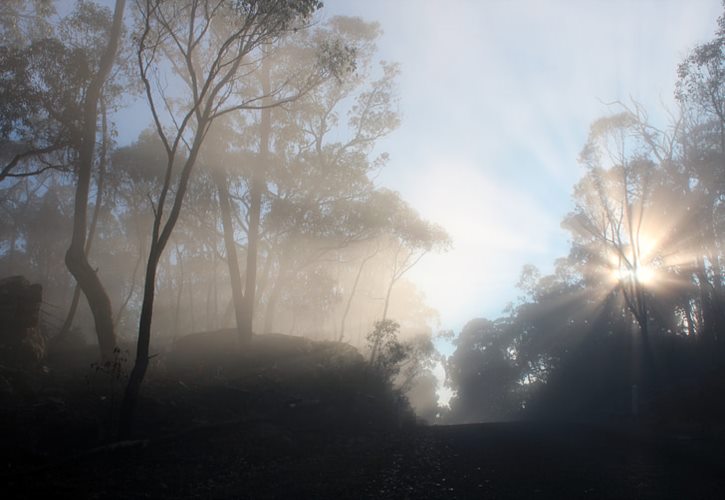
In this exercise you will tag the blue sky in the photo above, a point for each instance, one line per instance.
(496, 99)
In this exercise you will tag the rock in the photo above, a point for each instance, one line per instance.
(21, 343)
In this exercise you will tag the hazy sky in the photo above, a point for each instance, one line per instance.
(496, 99)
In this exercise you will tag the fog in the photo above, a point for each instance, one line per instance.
(205, 258)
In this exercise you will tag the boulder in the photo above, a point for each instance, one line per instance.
(21, 343)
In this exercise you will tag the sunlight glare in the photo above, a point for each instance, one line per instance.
(644, 275)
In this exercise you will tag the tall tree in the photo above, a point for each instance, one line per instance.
(206, 43)
(700, 91)
(76, 258)
(280, 168)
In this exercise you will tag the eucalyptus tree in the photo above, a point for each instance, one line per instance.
(614, 220)
(76, 257)
(42, 82)
(208, 47)
(412, 237)
(289, 196)
(23, 21)
(60, 76)
(322, 198)
(701, 82)
(700, 91)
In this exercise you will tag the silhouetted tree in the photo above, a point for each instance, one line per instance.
(206, 43)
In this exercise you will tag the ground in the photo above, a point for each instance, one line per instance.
(293, 457)
(314, 422)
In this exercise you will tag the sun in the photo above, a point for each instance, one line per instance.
(645, 275)
(629, 266)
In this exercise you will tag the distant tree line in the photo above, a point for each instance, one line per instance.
(636, 311)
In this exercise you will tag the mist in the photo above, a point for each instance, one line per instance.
(250, 249)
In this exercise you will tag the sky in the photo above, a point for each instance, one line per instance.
(496, 99)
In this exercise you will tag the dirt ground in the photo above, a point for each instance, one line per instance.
(293, 457)
(302, 420)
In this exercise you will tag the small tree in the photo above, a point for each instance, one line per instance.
(386, 352)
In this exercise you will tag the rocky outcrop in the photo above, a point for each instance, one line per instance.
(21, 343)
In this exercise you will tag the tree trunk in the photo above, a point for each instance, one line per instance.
(352, 295)
(706, 331)
(718, 314)
(65, 328)
(230, 246)
(75, 258)
(161, 234)
(124, 304)
(130, 399)
(192, 316)
(649, 377)
(690, 319)
(207, 305)
(215, 315)
(255, 210)
(274, 295)
(179, 291)
(271, 310)
(263, 280)
(387, 298)
(70, 315)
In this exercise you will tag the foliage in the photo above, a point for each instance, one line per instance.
(386, 352)
(639, 298)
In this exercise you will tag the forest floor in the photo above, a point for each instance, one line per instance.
(319, 427)
(267, 459)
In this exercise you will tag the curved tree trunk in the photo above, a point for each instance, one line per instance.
(75, 258)
(94, 221)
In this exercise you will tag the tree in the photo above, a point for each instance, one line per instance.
(386, 351)
(77, 257)
(41, 93)
(54, 79)
(207, 44)
(100, 186)
(701, 82)
(615, 218)
(644, 266)
(370, 254)
(290, 172)
(412, 238)
(700, 90)
(484, 373)
(22, 21)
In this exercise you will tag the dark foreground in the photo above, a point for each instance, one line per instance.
(291, 418)
(297, 459)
